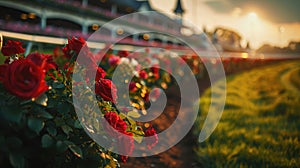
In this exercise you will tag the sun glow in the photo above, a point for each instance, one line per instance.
(250, 21)
(252, 15)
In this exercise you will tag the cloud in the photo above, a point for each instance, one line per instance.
(236, 12)
(220, 6)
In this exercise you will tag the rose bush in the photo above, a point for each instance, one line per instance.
(39, 125)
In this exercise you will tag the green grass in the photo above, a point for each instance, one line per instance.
(295, 78)
(260, 125)
(2, 58)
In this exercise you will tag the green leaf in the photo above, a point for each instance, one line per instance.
(59, 122)
(47, 141)
(77, 124)
(61, 146)
(62, 137)
(138, 139)
(12, 113)
(52, 131)
(41, 112)
(57, 85)
(16, 160)
(52, 103)
(132, 123)
(138, 134)
(69, 143)
(63, 107)
(45, 114)
(76, 150)
(67, 129)
(35, 124)
(134, 114)
(137, 131)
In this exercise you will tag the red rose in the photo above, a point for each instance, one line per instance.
(155, 71)
(115, 122)
(43, 60)
(100, 73)
(125, 143)
(113, 60)
(146, 97)
(123, 53)
(143, 74)
(12, 48)
(124, 158)
(152, 139)
(37, 58)
(74, 45)
(50, 64)
(132, 87)
(106, 89)
(25, 79)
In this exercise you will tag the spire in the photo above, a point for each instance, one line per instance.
(178, 10)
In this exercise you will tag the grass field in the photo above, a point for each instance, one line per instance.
(2, 59)
(260, 125)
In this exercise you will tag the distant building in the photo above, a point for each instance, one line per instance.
(179, 11)
(65, 18)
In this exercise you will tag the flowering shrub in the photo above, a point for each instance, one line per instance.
(39, 125)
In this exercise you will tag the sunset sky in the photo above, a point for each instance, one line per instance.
(275, 22)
